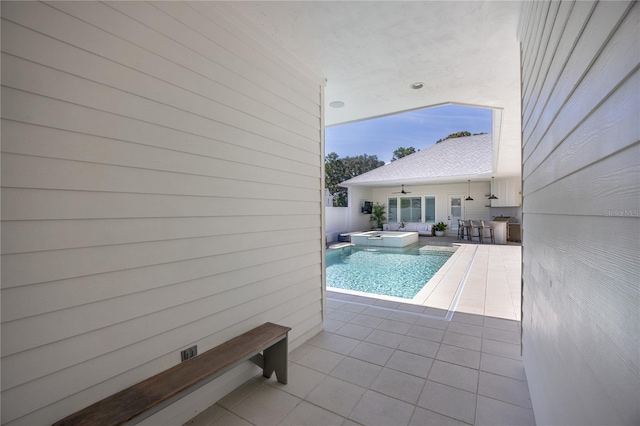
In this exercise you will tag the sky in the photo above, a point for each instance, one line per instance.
(419, 129)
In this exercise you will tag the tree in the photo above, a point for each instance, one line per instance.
(340, 169)
(402, 152)
(461, 134)
(455, 135)
(378, 215)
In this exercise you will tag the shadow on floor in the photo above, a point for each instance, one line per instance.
(387, 363)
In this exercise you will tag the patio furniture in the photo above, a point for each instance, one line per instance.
(467, 229)
(136, 403)
(461, 229)
(474, 224)
(491, 230)
(344, 238)
(423, 229)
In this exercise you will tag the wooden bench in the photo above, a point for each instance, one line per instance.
(136, 403)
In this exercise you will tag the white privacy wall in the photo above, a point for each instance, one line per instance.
(581, 243)
(336, 221)
(357, 196)
(161, 173)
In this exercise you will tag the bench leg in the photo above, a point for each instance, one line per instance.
(276, 359)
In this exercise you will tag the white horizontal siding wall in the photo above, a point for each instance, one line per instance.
(161, 174)
(476, 209)
(581, 242)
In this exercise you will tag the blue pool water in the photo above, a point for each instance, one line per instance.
(399, 272)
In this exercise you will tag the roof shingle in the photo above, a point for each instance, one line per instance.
(462, 157)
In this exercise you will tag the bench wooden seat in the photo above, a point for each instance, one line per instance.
(143, 399)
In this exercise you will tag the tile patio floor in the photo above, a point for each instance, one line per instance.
(381, 362)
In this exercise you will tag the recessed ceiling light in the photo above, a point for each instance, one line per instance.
(417, 85)
(336, 104)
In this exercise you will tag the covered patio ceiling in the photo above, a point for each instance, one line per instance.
(465, 52)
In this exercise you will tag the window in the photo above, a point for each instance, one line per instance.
(411, 209)
(393, 210)
(430, 209)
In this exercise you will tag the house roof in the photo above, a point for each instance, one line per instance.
(450, 160)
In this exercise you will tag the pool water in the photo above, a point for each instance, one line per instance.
(399, 272)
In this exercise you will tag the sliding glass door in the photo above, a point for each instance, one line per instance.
(411, 209)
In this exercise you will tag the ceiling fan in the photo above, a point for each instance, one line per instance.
(402, 191)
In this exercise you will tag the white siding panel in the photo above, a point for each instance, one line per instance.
(37, 204)
(541, 54)
(257, 58)
(27, 236)
(614, 120)
(53, 387)
(125, 326)
(161, 174)
(541, 38)
(187, 93)
(615, 64)
(535, 17)
(202, 119)
(566, 40)
(581, 217)
(560, 22)
(187, 155)
(610, 185)
(62, 294)
(18, 269)
(602, 22)
(285, 85)
(226, 142)
(153, 49)
(223, 180)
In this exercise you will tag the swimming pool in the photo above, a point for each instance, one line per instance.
(398, 272)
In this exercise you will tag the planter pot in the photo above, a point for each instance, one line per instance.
(439, 233)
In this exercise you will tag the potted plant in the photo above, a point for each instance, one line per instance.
(378, 215)
(440, 227)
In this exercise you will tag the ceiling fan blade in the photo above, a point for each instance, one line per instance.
(402, 191)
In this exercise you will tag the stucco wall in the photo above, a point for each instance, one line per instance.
(161, 175)
(581, 245)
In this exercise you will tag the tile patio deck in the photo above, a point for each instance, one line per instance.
(381, 362)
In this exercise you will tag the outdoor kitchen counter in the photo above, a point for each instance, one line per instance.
(500, 231)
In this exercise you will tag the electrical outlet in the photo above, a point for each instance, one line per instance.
(189, 353)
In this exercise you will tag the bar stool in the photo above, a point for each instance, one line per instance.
(468, 229)
(460, 229)
(475, 225)
(491, 231)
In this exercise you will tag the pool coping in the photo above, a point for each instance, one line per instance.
(385, 239)
(441, 293)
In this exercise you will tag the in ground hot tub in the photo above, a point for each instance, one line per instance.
(384, 239)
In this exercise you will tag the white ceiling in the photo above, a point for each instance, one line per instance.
(465, 52)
